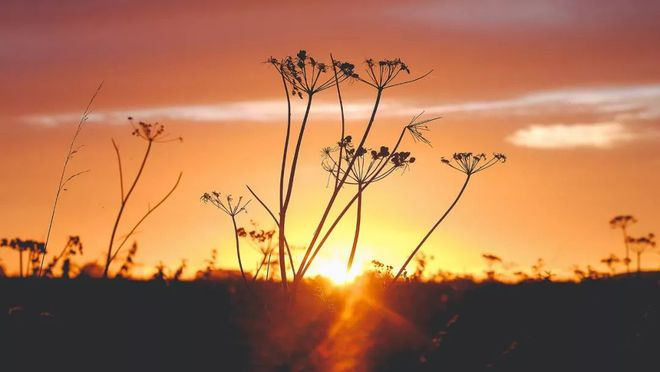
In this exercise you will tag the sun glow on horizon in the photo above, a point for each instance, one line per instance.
(335, 271)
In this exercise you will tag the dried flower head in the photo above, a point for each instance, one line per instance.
(642, 244)
(369, 165)
(470, 163)
(418, 128)
(622, 221)
(227, 205)
(307, 75)
(151, 132)
(382, 74)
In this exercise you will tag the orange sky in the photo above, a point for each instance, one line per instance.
(570, 90)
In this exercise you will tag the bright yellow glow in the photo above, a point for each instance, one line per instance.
(336, 272)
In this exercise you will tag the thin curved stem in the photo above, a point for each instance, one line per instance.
(238, 251)
(356, 236)
(348, 206)
(419, 246)
(144, 217)
(60, 185)
(286, 243)
(335, 192)
(124, 201)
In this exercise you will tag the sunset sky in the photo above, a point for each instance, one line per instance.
(569, 90)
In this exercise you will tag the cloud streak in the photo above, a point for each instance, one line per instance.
(614, 112)
(561, 136)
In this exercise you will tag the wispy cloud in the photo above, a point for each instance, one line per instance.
(615, 104)
(244, 111)
(557, 136)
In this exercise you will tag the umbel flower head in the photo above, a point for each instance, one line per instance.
(642, 243)
(369, 165)
(622, 221)
(24, 245)
(383, 74)
(151, 132)
(470, 163)
(307, 75)
(418, 128)
(227, 205)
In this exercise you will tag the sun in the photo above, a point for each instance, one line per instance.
(336, 272)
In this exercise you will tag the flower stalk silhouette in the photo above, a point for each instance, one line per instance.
(232, 209)
(641, 245)
(64, 180)
(151, 133)
(469, 164)
(622, 222)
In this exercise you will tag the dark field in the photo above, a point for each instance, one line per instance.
(601, 325)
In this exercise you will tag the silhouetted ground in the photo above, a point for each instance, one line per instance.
(119, 325)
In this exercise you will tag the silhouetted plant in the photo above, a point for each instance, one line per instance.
(151, 133)
(369, 165)
(413, 128)
(301, 75)
(72, 247)
(380, 75)
(129, 262)
(641, 245)
(160, 274)
(622, 222)
(491, 260)
(469, 164)
(537, 268)
(179, 271)
(611, 261)
(231, 209)
(421, 262)
(64, 178)
(210, 265)
(35, 251)
(262, 241)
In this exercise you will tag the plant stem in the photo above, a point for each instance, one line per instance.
(357, 229)
(121, 209)
(238, 251)
(348, 206)
(285, 204)
(625, 242)
(62, 182)
(20, 262)
(419, 246)
(339, 186)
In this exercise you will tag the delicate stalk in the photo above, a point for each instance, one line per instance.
(343, 120)
(62, 183)
(419, 246)
(20, 261)
(238, 252)
(144, 217)
(348, 206)
(357, 229)
(123, 206)
(625, 241)
(272, 215)
(285, 205)
(339, 186)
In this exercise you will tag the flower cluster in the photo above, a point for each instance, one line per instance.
(24, 245)
(643, 243)
(382, 74)
(622, 221)
(227, 205)
(307, 75)
(470, 163)
(369, 165)
(151, 132)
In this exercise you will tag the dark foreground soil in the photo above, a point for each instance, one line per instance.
(119, 325)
